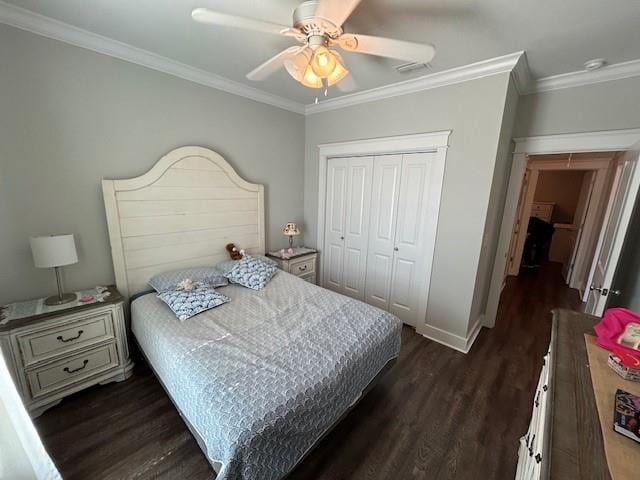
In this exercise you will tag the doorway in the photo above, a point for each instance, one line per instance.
(563, 198)
(601, 246)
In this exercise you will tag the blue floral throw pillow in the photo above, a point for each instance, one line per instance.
(186, 303)
(252, 272)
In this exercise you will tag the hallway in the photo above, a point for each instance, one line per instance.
(526, 304)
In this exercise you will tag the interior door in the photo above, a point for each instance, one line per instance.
(356, 231)
(580, 217)
(384, 205)
(521, 225)
(407, 284)
(333, 265)
(614, 232)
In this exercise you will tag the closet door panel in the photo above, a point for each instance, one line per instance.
(360, 176)
(409, 267)
(378, 282)
(384, 205)
(335, 224)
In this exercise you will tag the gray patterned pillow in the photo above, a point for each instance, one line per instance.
(252, 272)
(168, 280)
(227, 265)
(187, 303)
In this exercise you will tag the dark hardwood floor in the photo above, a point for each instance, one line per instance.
(437, 414)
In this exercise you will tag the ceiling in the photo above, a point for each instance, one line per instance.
(558, 36)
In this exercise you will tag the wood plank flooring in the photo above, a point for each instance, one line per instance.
(437, 414)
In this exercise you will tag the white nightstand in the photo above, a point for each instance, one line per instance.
(53, 353)
(301, 264)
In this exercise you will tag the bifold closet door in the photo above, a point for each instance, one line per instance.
(410, 268)
(347, 224)
(384, 205)
(335, 223)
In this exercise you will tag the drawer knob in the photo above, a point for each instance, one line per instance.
(59, 337)
(302, 268)
(84, 364)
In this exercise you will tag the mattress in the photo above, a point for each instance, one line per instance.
(260, 379)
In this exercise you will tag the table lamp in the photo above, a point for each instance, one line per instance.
(55, 251)
(291, 230)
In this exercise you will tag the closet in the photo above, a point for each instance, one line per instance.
(380, 230)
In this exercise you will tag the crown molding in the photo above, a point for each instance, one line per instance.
(48, 27)
(601, 141)
(521, 75)
(472, 71)
(616, 71)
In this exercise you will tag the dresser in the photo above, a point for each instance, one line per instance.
(54, 354)
(543, 210)
(564, 440)
(301, 264)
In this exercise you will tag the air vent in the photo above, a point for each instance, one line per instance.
(412, 67)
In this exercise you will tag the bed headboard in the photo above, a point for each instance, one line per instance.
(181, 213)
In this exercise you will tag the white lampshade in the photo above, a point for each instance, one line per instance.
(291, 229)
(53, 251)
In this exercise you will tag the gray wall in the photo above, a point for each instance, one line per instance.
(499, 185)
(70, 117)
(604, 106)
(474, 112)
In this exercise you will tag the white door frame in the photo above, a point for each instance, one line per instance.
(437, 142)
(603, 141)
(598, 163)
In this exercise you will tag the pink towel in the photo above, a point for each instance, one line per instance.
(611, 327)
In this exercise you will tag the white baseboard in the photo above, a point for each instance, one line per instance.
(451, 340)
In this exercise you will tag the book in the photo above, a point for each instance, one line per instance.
(626, 415)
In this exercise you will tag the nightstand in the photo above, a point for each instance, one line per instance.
(53, 352)
(301, 264)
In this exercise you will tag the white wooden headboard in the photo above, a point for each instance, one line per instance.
(181, 213)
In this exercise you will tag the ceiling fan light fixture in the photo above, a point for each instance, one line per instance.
(323, 62)
(339, 72)
(310, 79)
(297, 64)
(329, 77)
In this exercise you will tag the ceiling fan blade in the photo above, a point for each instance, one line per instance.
(336, 11)
(347, 84)
(388, 47)
(204, 15)
(273, 64)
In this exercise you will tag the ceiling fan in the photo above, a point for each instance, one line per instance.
(317, 26)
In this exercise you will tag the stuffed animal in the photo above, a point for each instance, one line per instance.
(186, 284)
(234, 253)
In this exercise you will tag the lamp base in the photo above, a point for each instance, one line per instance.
(59, 300)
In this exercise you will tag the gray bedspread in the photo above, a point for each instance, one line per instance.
(263, 377)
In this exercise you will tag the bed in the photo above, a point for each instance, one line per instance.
(261, 379)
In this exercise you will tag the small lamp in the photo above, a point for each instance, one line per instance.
(291, 230)
(55, 251)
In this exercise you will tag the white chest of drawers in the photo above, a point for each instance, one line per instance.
(543, 210)
(301, 264)
(59, 353)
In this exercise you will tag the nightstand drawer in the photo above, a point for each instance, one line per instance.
(302, 267)
(61, 374)
(309, 277)
(44, 344)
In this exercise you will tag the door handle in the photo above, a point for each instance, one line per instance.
(395, 249)
(602, 291)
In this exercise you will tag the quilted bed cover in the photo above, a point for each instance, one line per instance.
(263, 377)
